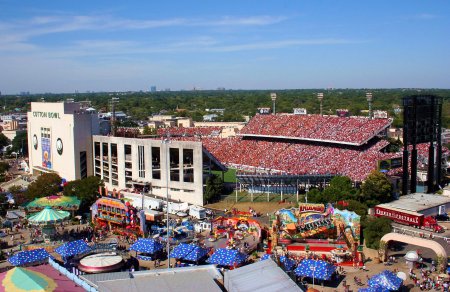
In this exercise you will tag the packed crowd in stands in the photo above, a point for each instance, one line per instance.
(190, 132)
(127, 132)
(354, 130)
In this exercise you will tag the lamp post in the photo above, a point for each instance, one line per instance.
(273, 96)
(320, 98)
(369, 100)
(166, 142)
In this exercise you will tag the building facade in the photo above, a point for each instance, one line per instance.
(60, 139)
(175, 167)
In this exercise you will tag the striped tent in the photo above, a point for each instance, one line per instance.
(48, 216)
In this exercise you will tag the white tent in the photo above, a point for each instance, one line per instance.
(263, 276)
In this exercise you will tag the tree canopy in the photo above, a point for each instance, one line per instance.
(376, 189)
(85, 189)
(45, 185)
(375, 229)
(4, 141)
(214, 188)
(20, 143)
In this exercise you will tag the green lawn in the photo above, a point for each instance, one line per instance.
(229, 176)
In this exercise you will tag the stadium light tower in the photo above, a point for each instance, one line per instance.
(273, 96)
(320, 98)
(166, 143)
(369, 100)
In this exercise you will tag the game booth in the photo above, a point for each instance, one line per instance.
(321, 229)
(118, 216)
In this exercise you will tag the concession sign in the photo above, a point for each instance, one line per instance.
(399, 216)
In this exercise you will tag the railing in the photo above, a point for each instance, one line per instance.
(72, 276)
(418, 233)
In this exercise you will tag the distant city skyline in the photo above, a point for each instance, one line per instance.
(64, 47)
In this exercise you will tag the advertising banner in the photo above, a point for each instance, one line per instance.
(46, 153)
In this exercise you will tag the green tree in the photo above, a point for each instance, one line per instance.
(214, 188)
(45, 185)
(315, 196)
(340, 188)
(4, 141)
(149, 131)
(20, 143)
(375, 229)
(376, 189)
(84, 189)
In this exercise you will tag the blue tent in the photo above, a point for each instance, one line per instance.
(387, 280)
(289, 264)
(265, 257)
(146, 245)
(181, 250)
(196, 254)
(28, 257)
(227, 257)
(373, 289)
(73, 248)
(315, 269)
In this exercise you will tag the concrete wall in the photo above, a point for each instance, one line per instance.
(190, 192)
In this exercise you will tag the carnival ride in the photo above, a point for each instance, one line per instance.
(236, 231)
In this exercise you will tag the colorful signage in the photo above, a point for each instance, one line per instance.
(305, 207)
(46, 153)
(398, 216)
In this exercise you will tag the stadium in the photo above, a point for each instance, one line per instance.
(284, 152)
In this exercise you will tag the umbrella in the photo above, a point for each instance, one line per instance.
(315, 269)
(146, 245)
(48, 215)
(227, 257)
(196, 254)
(265, 257)
(181, 250)
(22, 279)
(401, 275)
(412, 256)
(289, 264)
(373, 289)
(73, 248)
(29, 256)
(386, 279)
(54, 201)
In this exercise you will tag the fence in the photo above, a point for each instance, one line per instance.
(72, 276)
(262, 197)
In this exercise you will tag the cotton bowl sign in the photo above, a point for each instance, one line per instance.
(398, 216)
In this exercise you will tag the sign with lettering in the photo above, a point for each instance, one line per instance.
(50, 115)
(311, 208)
(399, 216)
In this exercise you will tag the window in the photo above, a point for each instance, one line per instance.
(174, 158)
(188, 165)
(83, 164)
(127, 149)
(113, 153)
(141, 161)
(105, 151)
(156, 162)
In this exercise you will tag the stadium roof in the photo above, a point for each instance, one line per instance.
(354, 131)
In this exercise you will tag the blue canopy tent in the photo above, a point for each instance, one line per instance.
(227, 257)
(289, 264)
(29, 257)
(197, 253)
(73, 248)
(373, 289)
(265, 257)
(148, 246)
(387, 280)
(181, 250)
(315, 269)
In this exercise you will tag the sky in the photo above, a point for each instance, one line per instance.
(68, 46)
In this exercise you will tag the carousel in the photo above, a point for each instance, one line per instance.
(46, 219)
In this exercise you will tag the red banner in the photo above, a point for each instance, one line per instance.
(399, 216)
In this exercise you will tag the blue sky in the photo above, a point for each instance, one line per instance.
(64, 46)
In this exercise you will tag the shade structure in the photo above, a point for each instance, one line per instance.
(73, 248)
(289, 264)
(386, 279)
(29, 257)
(48, 216)
(266, 256)
(196, 254)
(146, 245)
(181, 250)
(373, 289)
(315, 269)
(55, 201)
(227, 257)
(22, 279)
(412, 256)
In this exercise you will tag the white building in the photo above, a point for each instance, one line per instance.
(124, 162)
(60, 139)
